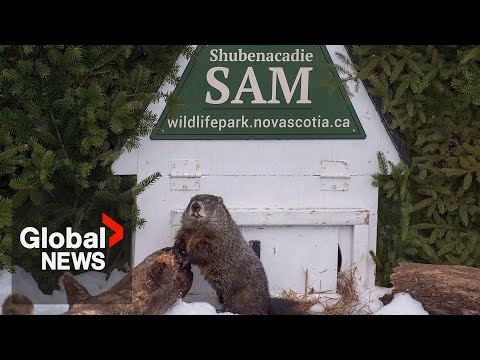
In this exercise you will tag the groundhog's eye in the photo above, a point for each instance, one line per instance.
(208, 201)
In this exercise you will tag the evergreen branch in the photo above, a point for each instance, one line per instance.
(62, 146)
(94, 67)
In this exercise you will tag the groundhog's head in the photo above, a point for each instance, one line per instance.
(204, 208)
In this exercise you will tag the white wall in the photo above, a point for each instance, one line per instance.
(260, 174)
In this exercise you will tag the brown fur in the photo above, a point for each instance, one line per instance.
(200, 244)
(17, 304)
(210, 239)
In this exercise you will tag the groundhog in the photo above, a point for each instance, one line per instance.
(211, 239)
(17, 304)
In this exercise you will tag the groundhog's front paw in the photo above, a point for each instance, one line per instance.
(186, 262)
(180, 248)
(169, 249)
(181, 257)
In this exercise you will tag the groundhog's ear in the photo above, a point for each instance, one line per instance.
(220, 200)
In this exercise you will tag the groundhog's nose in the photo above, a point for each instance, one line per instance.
(196, 206)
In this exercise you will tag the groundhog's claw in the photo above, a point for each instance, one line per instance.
(185, 263)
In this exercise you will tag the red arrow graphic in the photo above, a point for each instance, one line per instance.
(116, 227)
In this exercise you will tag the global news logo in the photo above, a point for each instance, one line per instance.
(92, 258)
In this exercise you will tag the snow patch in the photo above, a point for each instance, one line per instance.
(371, 300)
(56, 303)
(402, 304)
(195, 308)
(97, 282)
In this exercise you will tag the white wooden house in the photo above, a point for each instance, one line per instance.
(300, 199)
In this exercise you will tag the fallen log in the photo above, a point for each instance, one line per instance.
(442, 289)
(150, 288)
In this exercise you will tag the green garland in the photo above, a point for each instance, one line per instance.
(65, 112)
(429, 211)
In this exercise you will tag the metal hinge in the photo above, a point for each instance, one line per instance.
(185, 175)
(335, 175)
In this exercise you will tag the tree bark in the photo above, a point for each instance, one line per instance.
(150, 288)
(442, 289)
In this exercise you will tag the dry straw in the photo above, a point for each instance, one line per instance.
(348, 303)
